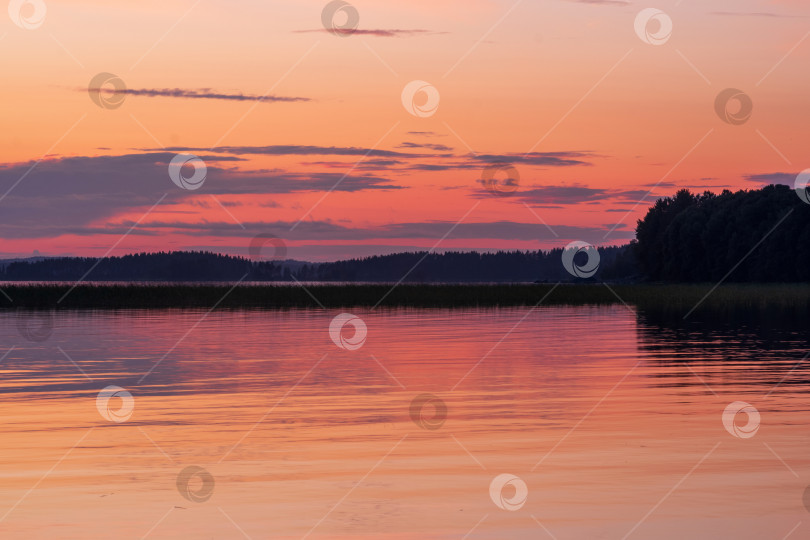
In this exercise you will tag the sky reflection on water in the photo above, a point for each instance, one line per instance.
(611, 418)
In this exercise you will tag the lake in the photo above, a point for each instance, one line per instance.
(558, 422)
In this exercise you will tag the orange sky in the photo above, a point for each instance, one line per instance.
(604, 115)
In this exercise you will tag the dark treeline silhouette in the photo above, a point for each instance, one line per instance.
(757, 235)
(172, 266)
(463, 267)
(418, 267)
(700, 238)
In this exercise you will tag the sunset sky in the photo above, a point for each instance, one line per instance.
(306, 136)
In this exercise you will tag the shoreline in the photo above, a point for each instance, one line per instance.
(228, 296)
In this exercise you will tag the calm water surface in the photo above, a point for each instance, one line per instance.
(611, 419)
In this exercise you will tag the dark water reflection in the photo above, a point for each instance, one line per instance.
(753, 349)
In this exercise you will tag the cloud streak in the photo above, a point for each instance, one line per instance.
(453, 161)
(541, 159)
(298, 150)
(436, 147)
(787, 179)
(75, 192)
(202, 93)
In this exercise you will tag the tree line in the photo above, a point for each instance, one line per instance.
(745, 236)
(411, 267)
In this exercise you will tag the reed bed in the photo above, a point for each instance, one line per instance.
(676, 297)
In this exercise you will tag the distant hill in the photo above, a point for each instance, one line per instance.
(451, 267)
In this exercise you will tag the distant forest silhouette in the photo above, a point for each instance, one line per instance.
(450, 267)
(762, 235)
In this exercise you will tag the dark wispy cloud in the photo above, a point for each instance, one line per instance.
(672, 187)
(298, 150)
(75, 192)
(436, 147)
(482, 161)
(447, 161)
(541, 159)
(660, 185)
(561, 195)
(556, 196)
(368, 164)
(434, 167)
(202, 93)
(379, 32)
(787, 179)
